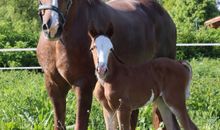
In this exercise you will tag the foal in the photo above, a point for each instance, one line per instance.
(126, 88)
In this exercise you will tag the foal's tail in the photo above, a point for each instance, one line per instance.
(189, 68)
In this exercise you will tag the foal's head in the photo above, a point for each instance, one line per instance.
(52, 14)
(102, 47)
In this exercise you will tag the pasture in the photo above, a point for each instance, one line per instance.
(24, 104)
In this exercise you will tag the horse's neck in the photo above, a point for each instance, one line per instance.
(81, 17)
(76, 27)
(99, 17)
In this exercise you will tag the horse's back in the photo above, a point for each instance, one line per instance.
(142, 30)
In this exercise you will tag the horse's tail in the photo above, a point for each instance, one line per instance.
(189, 68)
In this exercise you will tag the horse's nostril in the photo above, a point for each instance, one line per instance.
(44, 27)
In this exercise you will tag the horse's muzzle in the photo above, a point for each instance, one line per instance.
(52, 33)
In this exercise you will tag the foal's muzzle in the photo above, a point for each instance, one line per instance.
(101, 69)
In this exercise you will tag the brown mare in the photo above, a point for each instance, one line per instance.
(142, 30)
(125, 87)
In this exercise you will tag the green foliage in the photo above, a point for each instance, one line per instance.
(22, 106)
(205, 94)
(25, 104)
(190, 12)
(189, 17)
(19, 28)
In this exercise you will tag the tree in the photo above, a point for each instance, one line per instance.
(19, 28)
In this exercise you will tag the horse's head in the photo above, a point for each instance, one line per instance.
(52, 14)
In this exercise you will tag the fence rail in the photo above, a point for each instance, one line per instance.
(198, 44)
(20, 68)
(38, 67)
(17, 49)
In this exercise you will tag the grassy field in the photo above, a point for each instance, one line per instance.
(24, 104)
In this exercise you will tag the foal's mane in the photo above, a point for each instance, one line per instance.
(116, 57)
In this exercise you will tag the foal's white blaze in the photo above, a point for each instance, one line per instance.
(54, 19)
(151, 98)
(103, 45)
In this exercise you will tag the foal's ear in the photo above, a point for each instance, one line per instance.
(110, 30)
(92, 31)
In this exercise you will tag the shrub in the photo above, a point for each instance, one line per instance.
(189, 17)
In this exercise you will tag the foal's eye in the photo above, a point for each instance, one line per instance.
(98, 60)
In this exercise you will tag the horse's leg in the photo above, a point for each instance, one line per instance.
(157, 119)
(83, 92)
(134, 119)
(123, 116)
(166, 115)
(57, 90)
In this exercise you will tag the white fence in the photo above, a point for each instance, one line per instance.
(198, 44)
(38, 67)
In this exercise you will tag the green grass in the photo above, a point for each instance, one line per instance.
(24, 104)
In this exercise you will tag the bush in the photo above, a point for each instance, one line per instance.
(189, 17)
(203, 35)
(18, 29)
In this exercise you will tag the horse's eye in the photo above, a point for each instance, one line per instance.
(42, 12)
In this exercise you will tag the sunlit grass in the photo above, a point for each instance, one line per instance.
(24, 104)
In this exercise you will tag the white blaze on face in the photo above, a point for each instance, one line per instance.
(54, 19)
(103, 45)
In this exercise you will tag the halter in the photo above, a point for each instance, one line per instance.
(113, 52)
(54, 8)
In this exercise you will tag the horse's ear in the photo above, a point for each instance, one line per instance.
(92, 31)
(110, 30)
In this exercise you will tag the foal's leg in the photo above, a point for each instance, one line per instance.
(123, 115)
(57, 89)
(109, 115)
(84, 100)
(157, 118)
(110, 119)
(167, 115)
(179, 109)
(184, 118)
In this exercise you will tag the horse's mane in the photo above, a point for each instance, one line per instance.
(92, 2)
